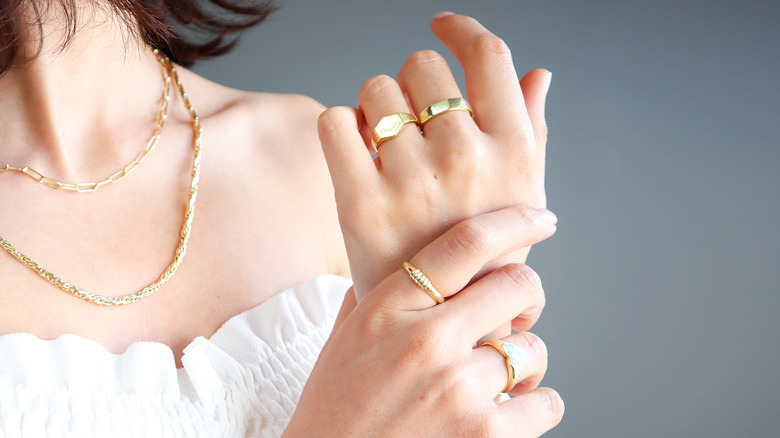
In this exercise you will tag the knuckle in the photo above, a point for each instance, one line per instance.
(463, 159)
(468, 148)
(553, 404)
(486, 425)
(443, 324)
(426, 344)
(534, 344)
(376, 317)
(489, 45)
(332, 120)
(327, 122)
(525, 215)
(425, 59)
(454, 378)
(377, 85)
(527, 280)
(470, 237)
(523, 276)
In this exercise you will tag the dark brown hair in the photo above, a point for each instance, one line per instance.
(186, 30)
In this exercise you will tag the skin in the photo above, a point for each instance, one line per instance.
(418, 359)
(425, 183)
(81, 114)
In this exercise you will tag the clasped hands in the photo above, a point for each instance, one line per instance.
(461, 199)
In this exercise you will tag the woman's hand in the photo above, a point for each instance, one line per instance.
(401, 366)
(423, 183)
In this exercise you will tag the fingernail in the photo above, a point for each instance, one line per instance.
(441, 15)
(547, 217)
(549, 80)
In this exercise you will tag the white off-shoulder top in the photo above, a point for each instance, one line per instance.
(245, 380)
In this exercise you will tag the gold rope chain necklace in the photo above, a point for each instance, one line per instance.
(185, 229)
(150, 145)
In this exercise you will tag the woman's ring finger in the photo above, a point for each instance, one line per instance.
(443, 106)
(521, 359)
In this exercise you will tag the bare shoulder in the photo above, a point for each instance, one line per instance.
(267, 144)
(267, 120)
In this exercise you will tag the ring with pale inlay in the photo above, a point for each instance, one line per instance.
(514, 360)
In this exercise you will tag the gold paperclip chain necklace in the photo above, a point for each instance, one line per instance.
(185, 229)
(91, 187)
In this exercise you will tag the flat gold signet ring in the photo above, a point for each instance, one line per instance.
(444, 106)
(391, 125)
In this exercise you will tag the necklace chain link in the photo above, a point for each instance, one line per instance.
(181, 250)
(121, 173)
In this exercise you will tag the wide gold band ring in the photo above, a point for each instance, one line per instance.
(391, 125)
(443, 106)
(514, 360)
(423, 282)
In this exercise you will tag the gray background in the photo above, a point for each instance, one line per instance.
(662, 167)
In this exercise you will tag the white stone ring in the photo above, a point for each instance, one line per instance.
(514, 360)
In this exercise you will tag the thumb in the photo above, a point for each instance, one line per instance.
(347, 306)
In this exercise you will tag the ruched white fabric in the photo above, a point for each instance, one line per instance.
(243, 381)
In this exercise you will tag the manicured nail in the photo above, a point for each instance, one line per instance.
(548, 81)
(547, 217)
(441, 15)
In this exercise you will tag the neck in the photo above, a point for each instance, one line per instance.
(76, 113)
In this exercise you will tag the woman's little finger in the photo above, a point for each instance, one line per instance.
(535, 85)
(487, 304)
(531, 414)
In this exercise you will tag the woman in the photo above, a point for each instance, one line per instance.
(222, 342)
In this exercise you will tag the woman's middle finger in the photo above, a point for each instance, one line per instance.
(426, 79)
(486, 305)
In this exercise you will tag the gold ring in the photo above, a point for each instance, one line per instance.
(391, 125)
(423, 282)
(514, 360)
(443, 106)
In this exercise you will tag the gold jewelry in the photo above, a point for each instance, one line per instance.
(423, 282)
(443, 106)
(390, 126)
(184, 235)
(514, 360)
(91, 187)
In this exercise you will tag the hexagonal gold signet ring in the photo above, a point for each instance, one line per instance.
(391, 125)
(443, 106)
